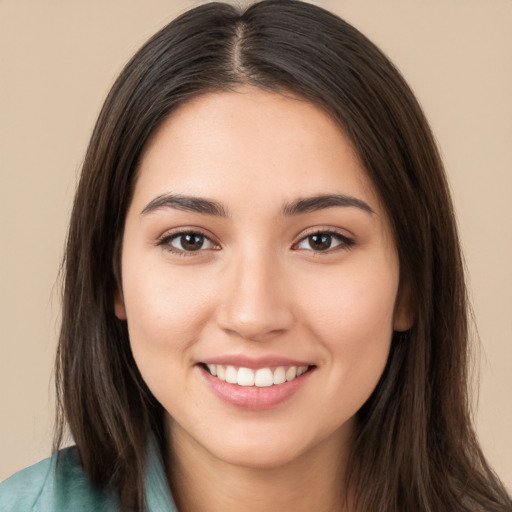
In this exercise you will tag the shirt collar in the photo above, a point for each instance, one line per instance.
(158, 495)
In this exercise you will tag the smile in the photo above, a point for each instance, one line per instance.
(255, 385)
(261, 377)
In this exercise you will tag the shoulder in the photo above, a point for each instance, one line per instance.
(56, 484)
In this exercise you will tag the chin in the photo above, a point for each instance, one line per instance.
(258, 456)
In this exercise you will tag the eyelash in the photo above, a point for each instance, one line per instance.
(345, 243)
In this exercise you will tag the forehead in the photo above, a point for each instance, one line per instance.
(227, 144)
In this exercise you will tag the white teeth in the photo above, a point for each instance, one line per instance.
(291, 373)
(245, 377)
(279, 375)
(301, 370)
(231, 375)
(221, 372)
(263, 377)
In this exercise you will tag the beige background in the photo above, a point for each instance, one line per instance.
(58, 59)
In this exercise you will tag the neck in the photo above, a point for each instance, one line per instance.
(201, 482)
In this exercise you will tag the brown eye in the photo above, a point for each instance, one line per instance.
(189, 242)
(324, 241)
(320, 242)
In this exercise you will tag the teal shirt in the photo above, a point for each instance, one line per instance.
(48, 487)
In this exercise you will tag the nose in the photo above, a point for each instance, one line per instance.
(255, 304)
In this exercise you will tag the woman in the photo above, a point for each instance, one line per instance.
(264, 300)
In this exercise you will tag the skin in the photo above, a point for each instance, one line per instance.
(258, 287)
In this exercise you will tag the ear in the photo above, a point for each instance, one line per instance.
(119, 308)
(403, 318)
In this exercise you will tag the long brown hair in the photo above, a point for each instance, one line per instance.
(415, 448)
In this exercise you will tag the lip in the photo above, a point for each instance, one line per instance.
(253, 398)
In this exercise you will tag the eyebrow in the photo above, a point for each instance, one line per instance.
(323, 201)
(298, 207)
(186, 203)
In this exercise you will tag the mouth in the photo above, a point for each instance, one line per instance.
(259, 377)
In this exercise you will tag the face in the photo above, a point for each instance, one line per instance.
(259, 278)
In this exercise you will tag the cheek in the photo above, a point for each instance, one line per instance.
(166, 313)
(350, 305)
(351, 315)
(166, 309)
